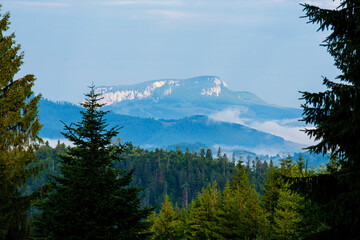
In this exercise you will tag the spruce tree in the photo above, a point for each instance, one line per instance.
(239, 215)
(203, 211)
(19, 129)
(287, 218)
(335, 115)
(270, 197)
(164, 224)
(91, 199)
(208, 154)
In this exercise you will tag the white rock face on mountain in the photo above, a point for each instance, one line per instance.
(178, 98)
(160, 89)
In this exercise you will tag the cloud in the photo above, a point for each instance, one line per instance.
(231, 115)
(259, 150)
(168, 14)
(43, 4)
(324, 3)
(168, 3)
(294, 134)
(192, 17)
(288, 129)
(139, 2)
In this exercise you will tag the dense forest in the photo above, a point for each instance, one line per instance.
(197, 194)
(180, 175)
(101, 188)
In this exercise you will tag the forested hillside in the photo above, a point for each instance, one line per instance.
(196, 194)
(180, 175)
(239, 212)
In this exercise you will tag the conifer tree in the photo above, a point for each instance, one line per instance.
(203, 214)
(219, 153)
(208, 154)
(181, 223)
(240, 177)
(239, 214)
(164, 224)
(202, 153)
(91, 199)
(286, 216)
(335, 115)
(19, 129)
(270, 197)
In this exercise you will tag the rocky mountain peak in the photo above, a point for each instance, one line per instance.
(191, 88)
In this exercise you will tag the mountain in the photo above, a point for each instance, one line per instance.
(178, 98)
(150, 132)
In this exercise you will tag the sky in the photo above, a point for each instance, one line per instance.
(261, 46)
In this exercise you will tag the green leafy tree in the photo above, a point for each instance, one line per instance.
(335, 115)
(19, 129)
(91, 199)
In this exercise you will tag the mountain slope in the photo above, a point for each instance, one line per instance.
(205, 95)
(161, 133)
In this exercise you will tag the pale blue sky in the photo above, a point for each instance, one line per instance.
(261, 46)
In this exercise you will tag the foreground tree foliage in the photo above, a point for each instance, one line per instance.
(19, 129)
(91, 199)
(240, 215)
(335, 115)
(203, 214)
(238, 212)
(167, 224)
(287, 215)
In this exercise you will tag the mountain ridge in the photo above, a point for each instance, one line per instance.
(161, 133)
(178, 98)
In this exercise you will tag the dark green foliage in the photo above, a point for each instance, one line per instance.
(234, 213)
(91, 199)
(287, 215)
(180, 175)
(335, 115)
(257, 174)
(160, 172)
(271, 191)
(48, 157)
(19, 128)
(334, 112)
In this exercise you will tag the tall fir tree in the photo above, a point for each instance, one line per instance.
(19, 129)
(335, 115)
(203, 214)
(239, 215)
(287, 216)
(91, 199)
(270, 197)
(164, 225)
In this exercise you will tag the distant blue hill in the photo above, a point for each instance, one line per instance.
(149, 132)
